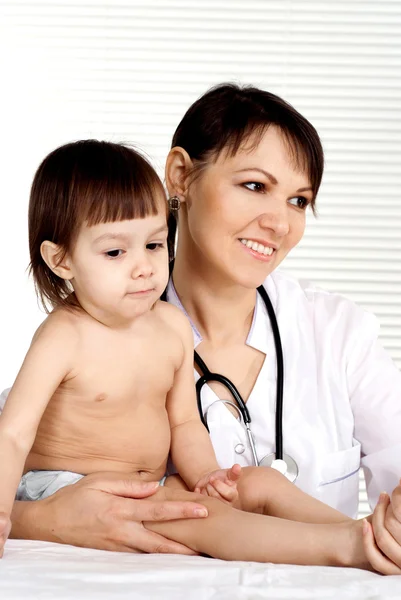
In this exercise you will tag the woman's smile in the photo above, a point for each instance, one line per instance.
(261, 250)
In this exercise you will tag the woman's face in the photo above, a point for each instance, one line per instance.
(246, 212)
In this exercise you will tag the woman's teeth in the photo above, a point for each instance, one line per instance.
(257, 247)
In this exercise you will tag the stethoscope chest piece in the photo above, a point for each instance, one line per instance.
(287, 466)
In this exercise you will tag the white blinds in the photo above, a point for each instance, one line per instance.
(128, 69)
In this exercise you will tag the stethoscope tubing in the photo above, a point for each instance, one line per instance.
(280, 372)
(239, 413)
(207, 376)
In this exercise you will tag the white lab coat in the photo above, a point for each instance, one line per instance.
(342, 395)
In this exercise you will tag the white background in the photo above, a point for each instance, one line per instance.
(127, 71)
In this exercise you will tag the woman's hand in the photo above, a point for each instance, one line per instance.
(103, 511)
(382, 536)
(5, 528)
(221, 484)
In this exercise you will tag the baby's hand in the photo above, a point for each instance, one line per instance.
(5, 528)
(221, 484)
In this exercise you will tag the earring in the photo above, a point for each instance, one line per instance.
(174, 204)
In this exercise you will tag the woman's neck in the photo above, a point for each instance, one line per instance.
(221, 310)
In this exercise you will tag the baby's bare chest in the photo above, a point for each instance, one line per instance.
(124, 368)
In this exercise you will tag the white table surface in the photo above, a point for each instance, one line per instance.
(41, 570)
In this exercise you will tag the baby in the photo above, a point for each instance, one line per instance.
(107, 384)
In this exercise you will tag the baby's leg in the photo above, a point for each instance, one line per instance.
(264, 490)
(232, 534)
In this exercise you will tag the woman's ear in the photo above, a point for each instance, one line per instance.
(178, 167)
(56, 259)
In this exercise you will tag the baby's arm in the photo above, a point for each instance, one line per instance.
(191, 449)
(45, 366)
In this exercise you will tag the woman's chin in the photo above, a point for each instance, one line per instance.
(250, 281)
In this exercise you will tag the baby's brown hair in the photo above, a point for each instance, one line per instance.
(89, 182)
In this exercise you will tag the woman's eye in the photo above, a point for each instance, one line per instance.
(254, 186)
(114, 253)
(299, 202)
(154, 245)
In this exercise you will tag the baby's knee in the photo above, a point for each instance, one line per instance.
(253, 476)
(256, 487)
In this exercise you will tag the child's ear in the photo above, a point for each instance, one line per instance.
(178, 167)
(56, 259)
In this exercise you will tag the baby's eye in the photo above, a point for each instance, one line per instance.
(155, 245)
(299, 202)
(254, 186)
(114, 253)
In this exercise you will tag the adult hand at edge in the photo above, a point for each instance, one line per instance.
(392, 519)
(105, 511)
(385, 527)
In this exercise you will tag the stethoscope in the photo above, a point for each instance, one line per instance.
(278, 460)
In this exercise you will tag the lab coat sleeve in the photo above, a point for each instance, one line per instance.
(374, 384)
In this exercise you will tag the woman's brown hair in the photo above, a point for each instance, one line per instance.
(228, 115)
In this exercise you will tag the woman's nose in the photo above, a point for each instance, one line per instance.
(276, 219)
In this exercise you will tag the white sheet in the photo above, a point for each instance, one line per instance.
(40, 570)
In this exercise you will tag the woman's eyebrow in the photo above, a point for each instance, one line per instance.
(305, 189)
(271, 177)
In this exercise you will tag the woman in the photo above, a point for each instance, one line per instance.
(244, 167)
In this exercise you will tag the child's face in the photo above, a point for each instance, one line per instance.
(120, 269)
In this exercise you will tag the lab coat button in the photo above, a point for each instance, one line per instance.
(239, 449)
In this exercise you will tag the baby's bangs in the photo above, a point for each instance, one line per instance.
(112, 201)
(128, 188)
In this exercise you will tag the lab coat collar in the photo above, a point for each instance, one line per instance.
(259, 336)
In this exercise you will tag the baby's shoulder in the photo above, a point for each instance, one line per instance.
(60, 326)
(174, 319)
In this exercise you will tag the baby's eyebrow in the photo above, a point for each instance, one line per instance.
(162, 229)
(125, 237)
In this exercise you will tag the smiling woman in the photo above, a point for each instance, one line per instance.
(245, 166)
(235, 199)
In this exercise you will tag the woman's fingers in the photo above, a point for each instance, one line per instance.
(5, 528)
(392, 524)
(163, 510)
(392, 518)
(379, 563)
(385, 542)
(153, 543)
